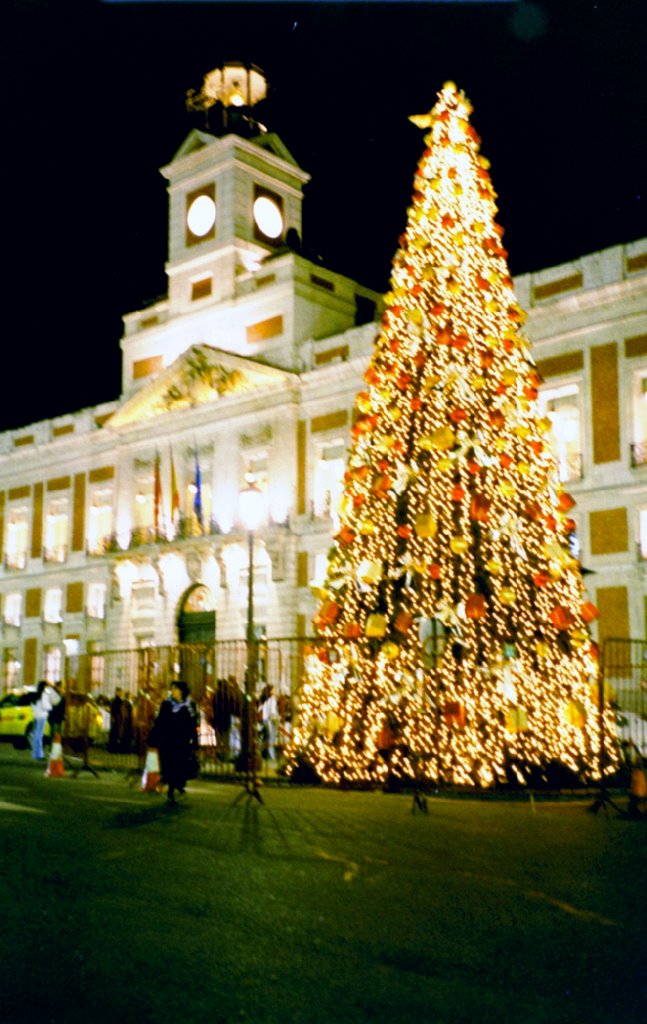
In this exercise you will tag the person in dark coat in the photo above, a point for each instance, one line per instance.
(115, 721)
(175, 734)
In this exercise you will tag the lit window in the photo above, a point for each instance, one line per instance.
(144, 516)
(56, 530)
(72, 646)
(255, 471)
(11, 667)
(96, 600)
(17, 537)
(13, 609)
(639, 446)
(97, 667)
(329, 480)
(53, 664)
(562, 406)
(53, 606)
(321, 567)
(100, 524)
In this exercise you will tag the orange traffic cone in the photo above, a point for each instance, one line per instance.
(151, 776)
(55, 768)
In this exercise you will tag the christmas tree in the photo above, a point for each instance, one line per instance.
(453, 621)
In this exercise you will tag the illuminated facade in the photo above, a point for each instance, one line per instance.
(251, 365)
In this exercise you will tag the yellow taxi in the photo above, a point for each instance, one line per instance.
(17, 718)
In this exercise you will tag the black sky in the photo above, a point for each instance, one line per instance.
(93, 104)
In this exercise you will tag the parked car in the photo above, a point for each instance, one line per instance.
(17, 719)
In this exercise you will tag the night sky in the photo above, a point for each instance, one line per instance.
(93, 105)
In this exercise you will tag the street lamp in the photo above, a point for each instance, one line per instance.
(251, 515)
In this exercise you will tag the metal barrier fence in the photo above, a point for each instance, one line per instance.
(113, 698)
(624, 683)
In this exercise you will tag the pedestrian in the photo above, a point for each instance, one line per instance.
(46, 699)
(56, 717)
(175, 735)
(115, 721)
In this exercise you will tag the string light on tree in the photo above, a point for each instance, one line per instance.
(453, 621)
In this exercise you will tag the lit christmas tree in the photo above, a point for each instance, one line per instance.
(454, 627)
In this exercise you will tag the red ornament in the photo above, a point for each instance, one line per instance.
(457, 493)
(566, 502)
(561, 618)
(475, 606)
(352, 630)
(480, 508)
(497, 419)
(540, 579)
(403, 621)
(434, 571)
(460, 342)
(590, 611)
(457, 415)
(404, 531)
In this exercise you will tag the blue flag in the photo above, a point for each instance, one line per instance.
(197, 498)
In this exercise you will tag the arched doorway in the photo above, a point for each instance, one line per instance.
(196, 621)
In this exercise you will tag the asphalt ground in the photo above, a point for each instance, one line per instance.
(314, 906)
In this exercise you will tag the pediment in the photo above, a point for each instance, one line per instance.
(195, 140)
(275, 145)
(201, 375)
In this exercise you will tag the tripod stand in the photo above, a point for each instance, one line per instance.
(604, 801)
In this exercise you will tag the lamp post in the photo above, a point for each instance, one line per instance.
(251, 514)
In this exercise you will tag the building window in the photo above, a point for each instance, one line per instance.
(12, 612)
(255, 470)
(201, 288)
(144, 516)
(562, 406)
(97, 666)
(642, 533)
(53, 664)
(100, 523)
(10, 669)
(17, 538)
(328, 487)
(639, 445)
(56, 530)
(321, 568)
(96, 606)
(53, 607)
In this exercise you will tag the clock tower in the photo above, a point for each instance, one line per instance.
(233, 196)
(238, 280)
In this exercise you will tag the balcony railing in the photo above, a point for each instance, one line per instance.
(638, 452)
(16, 560)
(57, 553)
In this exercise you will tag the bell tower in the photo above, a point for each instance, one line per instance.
(234, 197)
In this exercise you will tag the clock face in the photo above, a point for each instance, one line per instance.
(268, 217)
(201, 216)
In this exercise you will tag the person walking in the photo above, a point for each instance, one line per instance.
(46, 699)
(175, 735)
(56, 717)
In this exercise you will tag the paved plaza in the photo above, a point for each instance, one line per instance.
(314, 906)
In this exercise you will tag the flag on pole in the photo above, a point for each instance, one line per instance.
(197, 497)
(157, 494)
(175, 494)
